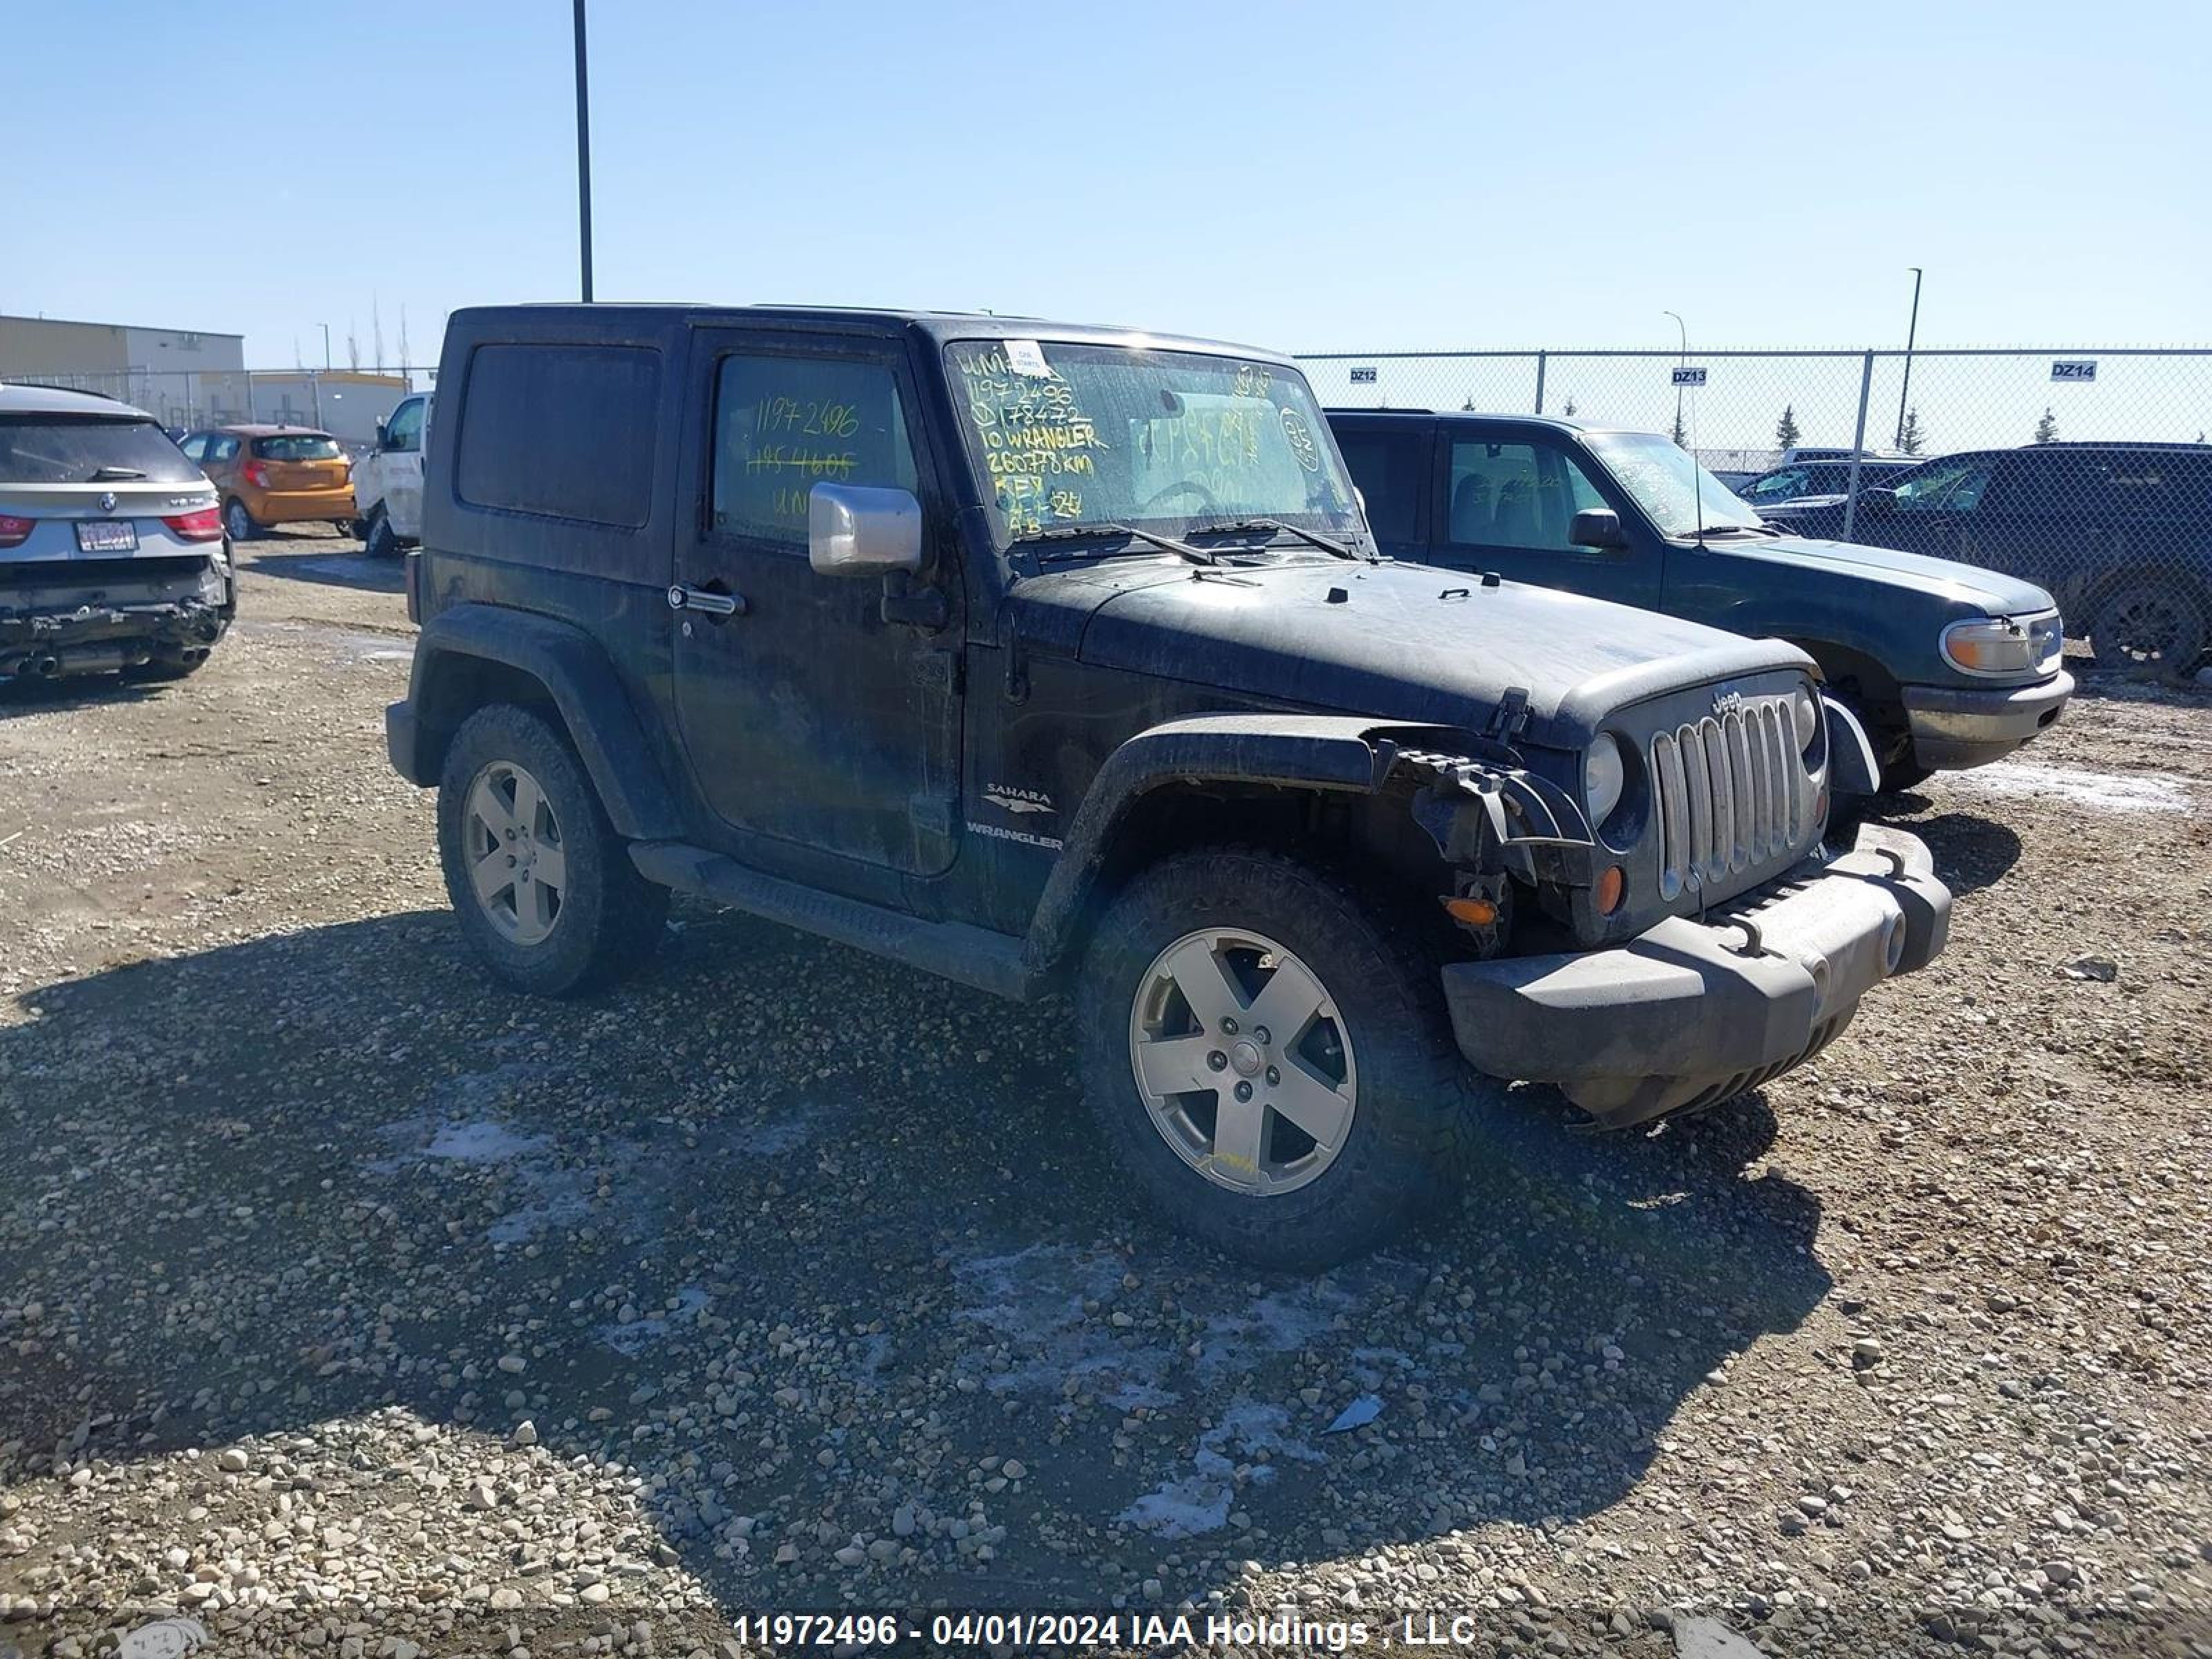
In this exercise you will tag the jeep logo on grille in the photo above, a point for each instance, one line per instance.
(1727, 702)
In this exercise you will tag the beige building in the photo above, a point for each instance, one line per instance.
(178, 375)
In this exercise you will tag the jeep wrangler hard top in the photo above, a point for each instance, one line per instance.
(1047, 658)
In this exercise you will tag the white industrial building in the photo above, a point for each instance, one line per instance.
(188, 377)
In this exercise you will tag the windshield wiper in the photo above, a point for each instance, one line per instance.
(114, 474)
(1327, 544)
(1068, 532)
(1712, 530)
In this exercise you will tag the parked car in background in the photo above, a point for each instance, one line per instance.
(1945, 665)
(112, 554)
(387, 481)
(271, 475)
(1797, 453)
(1059, 659)
(1782, 495)
(2121, 532)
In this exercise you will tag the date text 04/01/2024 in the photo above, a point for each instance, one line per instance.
(1082, 1630)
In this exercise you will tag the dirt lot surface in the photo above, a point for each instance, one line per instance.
(349, 1304)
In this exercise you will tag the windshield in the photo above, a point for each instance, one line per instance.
(297, 446)
(1940, 484)
(47, 449)
(1671, 488)
(1068, 437)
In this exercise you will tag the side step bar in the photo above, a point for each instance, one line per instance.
(972, 956)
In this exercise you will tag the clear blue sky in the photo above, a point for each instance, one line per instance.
(1305, 176)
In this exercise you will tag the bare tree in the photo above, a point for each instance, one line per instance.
(353, 346)
(376, 331)
(403, 358)
(2046, 429)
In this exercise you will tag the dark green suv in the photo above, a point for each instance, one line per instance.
(1947, 664)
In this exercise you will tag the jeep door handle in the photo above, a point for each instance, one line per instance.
(683, 597)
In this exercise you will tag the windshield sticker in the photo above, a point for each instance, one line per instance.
(1253, 380)
(1027, 357)
(1302, 447)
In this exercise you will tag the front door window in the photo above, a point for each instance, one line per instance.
(1515, 495)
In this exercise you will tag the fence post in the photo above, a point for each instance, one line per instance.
(316, 381)
(1540, 382)
(1858, 448)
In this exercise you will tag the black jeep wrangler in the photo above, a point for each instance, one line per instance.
(1062, 658)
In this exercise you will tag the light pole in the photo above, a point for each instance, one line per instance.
(1911, 329)
(326, 347)
(1683, 328)
(583, 156)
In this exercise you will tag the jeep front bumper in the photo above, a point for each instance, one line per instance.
(1696, 1009)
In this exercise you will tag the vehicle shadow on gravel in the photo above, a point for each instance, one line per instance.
(809, 1242)
(335, 564)
(19, 697)
(1970, 852)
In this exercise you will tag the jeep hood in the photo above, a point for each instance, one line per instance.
(1399, 641)
(1962, 584)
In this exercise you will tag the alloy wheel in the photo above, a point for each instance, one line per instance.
(512, 842)
(1243, 1061)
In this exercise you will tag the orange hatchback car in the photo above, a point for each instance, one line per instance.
(274, 475)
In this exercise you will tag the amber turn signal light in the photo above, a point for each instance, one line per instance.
(1474, 912)
(1612, 888)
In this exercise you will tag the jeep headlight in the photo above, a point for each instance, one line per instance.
(1805, 718)
(1605, 774)
(1989, 644)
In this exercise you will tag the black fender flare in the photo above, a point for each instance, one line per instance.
(578, 675)
(1345, 754)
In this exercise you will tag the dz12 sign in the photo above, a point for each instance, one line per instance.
(1362, 377)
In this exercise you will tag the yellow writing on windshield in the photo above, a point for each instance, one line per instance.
(1033, 436)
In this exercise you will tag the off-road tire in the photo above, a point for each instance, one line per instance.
(1415, 1097)
(379, 540)
(2116, 630)
(611, 917)
(238, 524)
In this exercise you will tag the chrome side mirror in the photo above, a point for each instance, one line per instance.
(852, 529)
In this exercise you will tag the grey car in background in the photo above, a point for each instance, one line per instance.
(112, 550)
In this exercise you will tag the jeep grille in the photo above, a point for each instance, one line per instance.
(1732, 795)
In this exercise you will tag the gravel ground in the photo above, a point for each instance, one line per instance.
(348, 1303)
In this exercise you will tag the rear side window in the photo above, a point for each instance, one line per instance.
(297, 446)
(1391, 470)
(561, 432)
(76, 449)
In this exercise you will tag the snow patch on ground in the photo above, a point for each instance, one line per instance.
(1186, 1505)
(636, 1335)
(1032, 1301)
(465, 1137)
(2101, 792)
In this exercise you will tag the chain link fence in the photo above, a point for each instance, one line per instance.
(2084, 470)
(345, 402)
